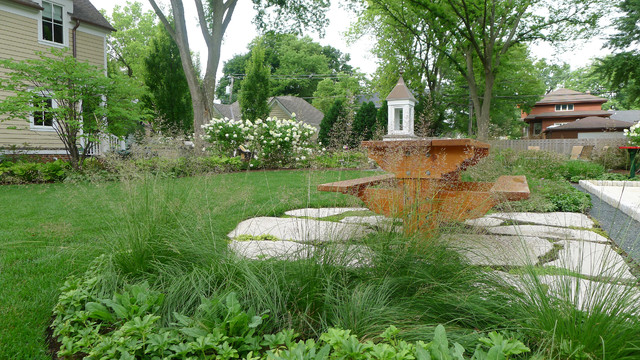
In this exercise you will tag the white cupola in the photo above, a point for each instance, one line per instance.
(401, 103)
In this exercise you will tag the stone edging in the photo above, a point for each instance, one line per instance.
(592, 187)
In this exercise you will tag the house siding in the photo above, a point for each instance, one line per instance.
(19, 41)
(277, 111)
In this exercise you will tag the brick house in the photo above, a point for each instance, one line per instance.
(560, 107)
(27, 26)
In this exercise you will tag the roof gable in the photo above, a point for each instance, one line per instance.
(83, 10)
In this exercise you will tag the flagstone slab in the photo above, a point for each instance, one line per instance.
(591, 259)
(548, 232)
(484, 222)
(496, 250)
(297, 229)
(562, 219)
(268, 249)
(321, 212)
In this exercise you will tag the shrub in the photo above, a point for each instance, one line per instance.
(612, 158)
(272, 141)
(576, 170)
(33, 172)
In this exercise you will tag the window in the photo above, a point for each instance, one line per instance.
(43, 118)
(537, 128)
(564, 107)
(52, 25)
(398, 119)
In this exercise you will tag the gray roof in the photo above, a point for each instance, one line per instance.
(304, 111)
(292, 104)
(400, 92)
(375, 98)
(561, 114)
(567, 96)
(228, 111)
(84, 11)
(592, 123)
(632, 116)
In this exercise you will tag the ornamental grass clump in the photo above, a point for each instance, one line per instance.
(272, 142)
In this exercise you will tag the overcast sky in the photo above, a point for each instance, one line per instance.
(241, 31)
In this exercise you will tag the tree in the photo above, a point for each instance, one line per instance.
(129, 46)
(363, 123)
(621, 70)
(168, 94)
(255, 89)
(214, 17)
(329, 90)
(59, 91)
(465, 30)
(292, 60)
(337, 111)
(382, 120)
(553, 75)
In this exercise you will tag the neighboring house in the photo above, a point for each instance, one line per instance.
(560, 107)
(281, 107)
(27, 26)
(591, 127)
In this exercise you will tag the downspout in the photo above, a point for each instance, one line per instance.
(75, 53)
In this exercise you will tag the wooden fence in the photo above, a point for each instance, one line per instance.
(560, 146)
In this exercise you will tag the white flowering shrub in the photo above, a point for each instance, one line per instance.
(273, 142)
(633, 133)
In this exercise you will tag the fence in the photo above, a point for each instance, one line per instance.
(560, 146)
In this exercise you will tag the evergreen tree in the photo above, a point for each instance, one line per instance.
(382, 120)
(254, 94)
(169, 95)
(337, 110)
(363, 123)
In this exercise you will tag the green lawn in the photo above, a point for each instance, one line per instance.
(51, 231)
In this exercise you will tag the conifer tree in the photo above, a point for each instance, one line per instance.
(254, 94)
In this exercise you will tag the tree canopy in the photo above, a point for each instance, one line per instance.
(292, 59)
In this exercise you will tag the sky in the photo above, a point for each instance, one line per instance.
(241, 31)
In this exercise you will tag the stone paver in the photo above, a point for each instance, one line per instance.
(591, 259)
(302, 230)
(484, 222)
(562, 219)
(623, 195)
(548, 232)
(499, 249)
(322, 212)
(266, 249)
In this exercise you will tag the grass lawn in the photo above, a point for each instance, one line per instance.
(51, 231)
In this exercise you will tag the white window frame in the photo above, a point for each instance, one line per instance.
(65, 28)
(564, 107)
(44, 128)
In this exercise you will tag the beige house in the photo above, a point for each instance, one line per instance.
(27, 26)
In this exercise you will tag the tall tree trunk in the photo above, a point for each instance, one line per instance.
(485, 113)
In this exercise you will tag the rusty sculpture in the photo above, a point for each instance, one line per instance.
(423, 185)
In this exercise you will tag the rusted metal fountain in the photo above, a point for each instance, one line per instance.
(423, 185)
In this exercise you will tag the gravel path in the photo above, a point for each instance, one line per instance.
(623, 230)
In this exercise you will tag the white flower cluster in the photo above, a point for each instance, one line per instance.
(272, 140)
(633, 133)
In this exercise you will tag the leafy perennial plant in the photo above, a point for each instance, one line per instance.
(272, 141)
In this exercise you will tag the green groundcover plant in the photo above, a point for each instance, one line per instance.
(127, 326)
